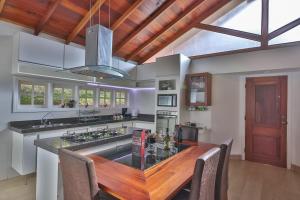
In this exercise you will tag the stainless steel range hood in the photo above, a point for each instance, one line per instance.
(98, 55)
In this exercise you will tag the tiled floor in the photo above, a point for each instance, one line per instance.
(248, 181)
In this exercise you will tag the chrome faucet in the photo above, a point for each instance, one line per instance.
(44, 120)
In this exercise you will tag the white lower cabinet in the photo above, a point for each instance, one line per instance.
(24, 150)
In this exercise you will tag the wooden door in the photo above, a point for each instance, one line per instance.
(266, 120)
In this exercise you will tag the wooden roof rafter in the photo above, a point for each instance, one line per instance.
(46, 17)
(127, 13)
(200, 18)
(228, 31)
(144, 24)
(84, 20)
(189, 10)
(284, 29)
(2, 2)
(265, 23)
(73, 7)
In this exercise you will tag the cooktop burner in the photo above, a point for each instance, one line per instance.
(92, 135)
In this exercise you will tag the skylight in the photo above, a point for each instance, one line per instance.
(245, 17)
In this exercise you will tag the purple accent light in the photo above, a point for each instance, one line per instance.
(120, 87)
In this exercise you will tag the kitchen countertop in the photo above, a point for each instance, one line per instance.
(25, 127)
(56, 143)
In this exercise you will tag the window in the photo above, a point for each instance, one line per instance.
(121, 98)
(62, 95)
(105, 98)
(86, 97)
(32, 94)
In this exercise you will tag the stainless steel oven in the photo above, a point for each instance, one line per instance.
(166, 121)
(167, 100)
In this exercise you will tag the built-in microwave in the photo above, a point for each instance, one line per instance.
(167, 100)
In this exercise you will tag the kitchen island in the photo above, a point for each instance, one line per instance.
(118, 171)
(25, 132)
(48, 179)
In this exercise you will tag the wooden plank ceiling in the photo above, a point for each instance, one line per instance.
(141, 27)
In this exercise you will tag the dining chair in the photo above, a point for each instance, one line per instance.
(204, 177)
(222, 172)
(79, 177)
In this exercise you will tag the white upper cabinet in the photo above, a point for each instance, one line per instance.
(74, 57)
(40, 50)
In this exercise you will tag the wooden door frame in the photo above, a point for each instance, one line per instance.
(242, 111)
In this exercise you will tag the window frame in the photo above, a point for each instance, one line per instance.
(94, 96)
(105, 97)
(63, 87)
(33, 84)
(126, 98)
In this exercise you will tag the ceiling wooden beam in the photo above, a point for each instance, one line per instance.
(128, 12)
(197, 20)
(73, 7)
(84, 20)
(144, 24)
(228, 31)
(284, 29)
(265, 23)
(189, 10)
(46, 17)
(2, 2)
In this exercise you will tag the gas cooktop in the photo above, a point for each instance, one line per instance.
(92, 135)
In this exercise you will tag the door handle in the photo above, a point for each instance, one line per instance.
(283, 120)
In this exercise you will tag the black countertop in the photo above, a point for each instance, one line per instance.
(54, 144)
(26, 127)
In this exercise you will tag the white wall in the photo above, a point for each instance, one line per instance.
(144, 101)
(275, 59)
(228, 108)
(225, 110)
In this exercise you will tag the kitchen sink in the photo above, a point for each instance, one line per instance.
(49, 125)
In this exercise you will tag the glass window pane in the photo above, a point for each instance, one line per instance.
(57, 96)
(292, 35)
(288, 9)
(90, 94)
(82, 97)
(118, 94)
(101, 102)
(245, 17)
(122, 102)
(82, 93)
(25, 94)
(108, 94)
(102, 93)
(122, 94)
(39, 95)
(117, 101)
(108, 102)
(68, 95)
(82, 101)
(90, 101)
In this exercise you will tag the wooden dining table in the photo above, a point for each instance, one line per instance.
(159, 182)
